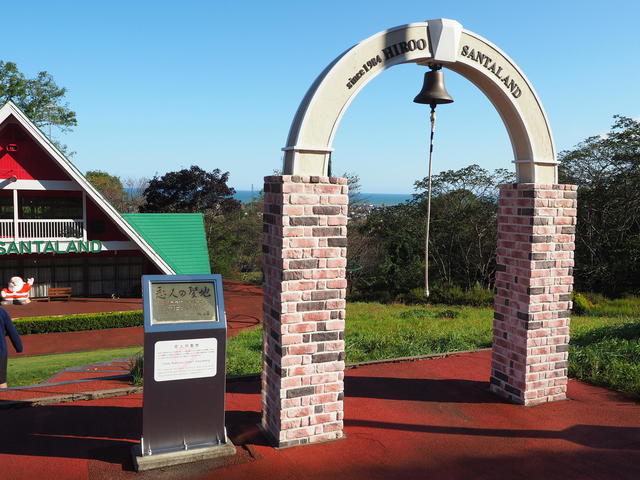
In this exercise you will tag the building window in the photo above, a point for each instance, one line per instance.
(6, 207)
(49, 208)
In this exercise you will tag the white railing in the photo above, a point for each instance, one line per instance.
(50, 228)
(6, 229)
(46, 229)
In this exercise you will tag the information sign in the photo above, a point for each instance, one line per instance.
(184, 364)
(184, 359)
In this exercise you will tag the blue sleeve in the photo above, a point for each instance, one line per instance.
(12, 332)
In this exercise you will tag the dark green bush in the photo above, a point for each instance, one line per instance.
(594, 298)
(415, 296)
(448, 294)
(447, 314)
(73, 323)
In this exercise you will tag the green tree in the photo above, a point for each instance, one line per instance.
(235, 241)
(40, 98)
(190, 190)
(386, 252)
(463, 224)
(355, 189)
(389, 242)
(607, 171)
(109, 186)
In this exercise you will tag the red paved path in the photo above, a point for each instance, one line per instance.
(432, 419)
(243, 304)
(428, 419)
(40, 307)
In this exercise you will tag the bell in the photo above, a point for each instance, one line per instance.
(433, 91)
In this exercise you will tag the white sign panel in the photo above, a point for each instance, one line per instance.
(184, 359)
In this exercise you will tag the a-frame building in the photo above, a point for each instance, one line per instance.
(56, 227)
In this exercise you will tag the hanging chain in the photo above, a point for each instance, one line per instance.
(426, 237)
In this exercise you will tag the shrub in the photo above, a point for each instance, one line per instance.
(415, 296)
(580, 304)
(137, 370)
(447, 314)
(595, 298)
(595, 304)
(74, 323)
(448, 294)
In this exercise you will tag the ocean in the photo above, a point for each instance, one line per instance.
(377, 199)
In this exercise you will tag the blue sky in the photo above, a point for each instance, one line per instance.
(158, 86)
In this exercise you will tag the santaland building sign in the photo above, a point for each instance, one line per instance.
(50, 246)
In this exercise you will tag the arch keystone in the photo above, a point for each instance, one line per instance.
(444, 35)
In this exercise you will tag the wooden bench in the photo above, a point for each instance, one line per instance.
(58, 292)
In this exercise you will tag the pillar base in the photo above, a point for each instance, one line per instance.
(161, 460)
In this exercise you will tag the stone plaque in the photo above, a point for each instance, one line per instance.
(183, 302)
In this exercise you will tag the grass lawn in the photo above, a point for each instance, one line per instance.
(604, 349)
(376, 331)
(244, 352)
(32, 370)
(608, 355)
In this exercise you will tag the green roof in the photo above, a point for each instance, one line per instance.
(179, 238)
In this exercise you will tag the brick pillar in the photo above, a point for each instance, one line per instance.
(534, 280)
(304, 260)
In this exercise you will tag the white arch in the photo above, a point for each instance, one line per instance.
(441, 41)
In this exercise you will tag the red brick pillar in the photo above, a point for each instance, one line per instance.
(304, 260)
(534, 280)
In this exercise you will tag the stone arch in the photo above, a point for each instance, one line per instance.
(304, 243)
(436, 41)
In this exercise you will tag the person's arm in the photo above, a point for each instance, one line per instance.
(13, 333)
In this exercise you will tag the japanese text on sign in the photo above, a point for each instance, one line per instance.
(185, 359)
(183, 302)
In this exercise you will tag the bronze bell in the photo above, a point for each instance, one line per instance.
(433, 90)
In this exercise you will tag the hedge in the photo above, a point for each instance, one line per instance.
(74, 323)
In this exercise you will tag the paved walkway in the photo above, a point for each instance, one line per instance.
(243, 305)
(424, 419)
(74, 382)
(39, 307)
(431, 419)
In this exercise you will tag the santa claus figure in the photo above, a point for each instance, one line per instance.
(17, 292)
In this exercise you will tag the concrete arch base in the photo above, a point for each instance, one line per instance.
(304, 262)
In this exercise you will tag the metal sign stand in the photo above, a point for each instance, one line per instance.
(184, 371)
